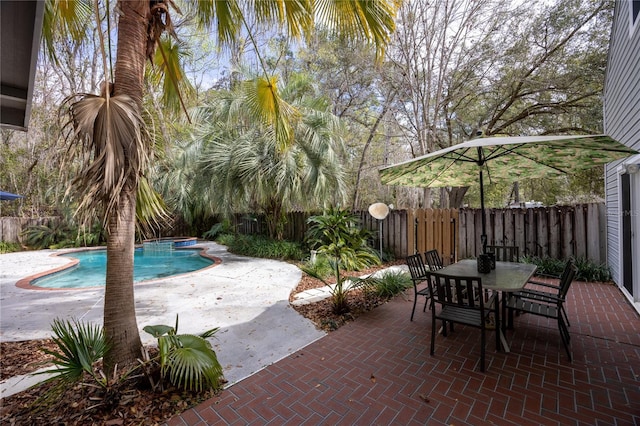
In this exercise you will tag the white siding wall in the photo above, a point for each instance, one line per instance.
(622, 122)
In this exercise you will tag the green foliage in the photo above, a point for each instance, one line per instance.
(260, 246)
(56, 234)
(388, 284)
(187, 361)
(62, 234)
(587, 270)
(81, 345)
(6, 247)
(336, 232)
(216, 228)
(591, 271)
(546, 265)
(253, 166)
(321, 267)
(336, 235)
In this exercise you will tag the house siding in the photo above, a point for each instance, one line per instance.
(622, 122)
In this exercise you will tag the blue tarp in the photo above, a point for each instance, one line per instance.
(8, 196)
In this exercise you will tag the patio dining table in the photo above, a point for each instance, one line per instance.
(507, 277)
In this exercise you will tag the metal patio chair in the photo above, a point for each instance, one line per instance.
(459, 303)
(548, 306)
(418, 272)
(505, 253)
(433, 260)
(551, 291)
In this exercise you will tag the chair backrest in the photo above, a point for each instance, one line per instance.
(505, 253)
(456, 290)
(433, 260)
(417, 269)
(568, 274)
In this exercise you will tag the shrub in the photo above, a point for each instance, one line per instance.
(587, 270)
(216, 229)
(187, 361)
(260, 246)
(387, 284)
(546, 265)
(80, 346)
(61, 234)
(335, 234)
(6, 247)
(321, 267)
(56, 234)
(591, 271)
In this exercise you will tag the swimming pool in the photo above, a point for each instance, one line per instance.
(91, 268)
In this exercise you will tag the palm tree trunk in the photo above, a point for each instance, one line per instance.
(120, 323)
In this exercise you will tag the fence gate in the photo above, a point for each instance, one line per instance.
(434, 229)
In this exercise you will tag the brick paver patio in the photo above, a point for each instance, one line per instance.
(378, 371)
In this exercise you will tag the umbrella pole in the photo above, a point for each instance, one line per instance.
(483, 237)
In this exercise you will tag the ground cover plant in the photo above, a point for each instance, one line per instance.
(261, 246)
(587, 269)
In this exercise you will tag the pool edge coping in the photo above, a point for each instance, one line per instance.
(25, 283)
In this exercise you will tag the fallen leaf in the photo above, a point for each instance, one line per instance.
(372, 378)
(424, 398)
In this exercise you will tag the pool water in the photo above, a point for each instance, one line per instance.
(91, 270)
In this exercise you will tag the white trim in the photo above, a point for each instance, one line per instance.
(634, 183)
(634, 304)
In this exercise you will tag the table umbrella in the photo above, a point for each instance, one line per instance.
(8, 196)
(504, 159)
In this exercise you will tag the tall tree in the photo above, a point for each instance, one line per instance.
(497, 67)
(113, 134)
(239, 166)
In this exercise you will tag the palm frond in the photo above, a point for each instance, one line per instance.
(151, 210)
(265, 104)
(65, 18)
(109, 137)
(372, 20)
(169, 73)
(226, 16)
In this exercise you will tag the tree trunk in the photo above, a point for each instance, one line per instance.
(120, 323)
(456, 195)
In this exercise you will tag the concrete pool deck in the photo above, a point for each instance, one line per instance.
(248, 298)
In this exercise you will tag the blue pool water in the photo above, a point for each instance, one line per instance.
(91, 270)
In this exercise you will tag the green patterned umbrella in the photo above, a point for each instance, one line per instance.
(504, 159)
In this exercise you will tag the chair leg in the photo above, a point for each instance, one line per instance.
(415, 299)
(564, 334)
(482, 344)
(498, 325)
(433, 332)
(566, 319)
(426, 299)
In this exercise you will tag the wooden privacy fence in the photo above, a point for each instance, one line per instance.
(11, 227)
(433, 229)
(558, 232)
